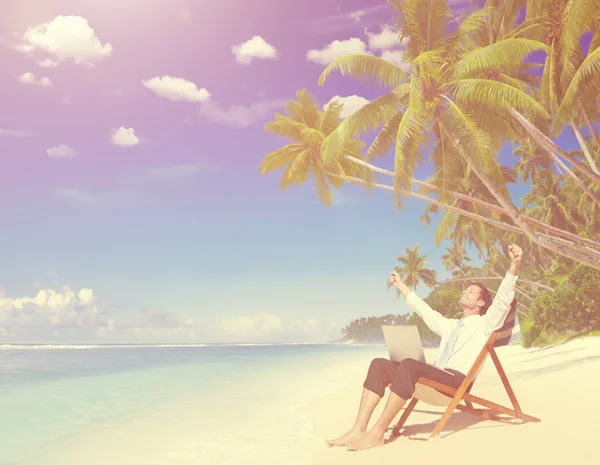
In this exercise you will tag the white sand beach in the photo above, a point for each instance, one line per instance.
(560, 385)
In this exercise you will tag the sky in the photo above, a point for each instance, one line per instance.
(132, 205)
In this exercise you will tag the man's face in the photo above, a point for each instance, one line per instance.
(470, 297)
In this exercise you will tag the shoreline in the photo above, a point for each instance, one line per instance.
(555, 384)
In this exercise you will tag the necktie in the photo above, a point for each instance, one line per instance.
(443, 358)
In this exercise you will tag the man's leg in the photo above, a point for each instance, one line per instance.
(381, 373)
(402, 389)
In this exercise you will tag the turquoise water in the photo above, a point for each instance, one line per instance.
(175, 405)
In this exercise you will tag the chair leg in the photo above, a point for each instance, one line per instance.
(507, 386)
(404, 417)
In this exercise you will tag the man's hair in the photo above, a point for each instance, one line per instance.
(486, 296)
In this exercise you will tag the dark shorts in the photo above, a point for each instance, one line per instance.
(402, 376)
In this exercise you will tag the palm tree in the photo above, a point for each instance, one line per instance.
(548, 202)
(456, 258)
(412, 269)
(467, 98)
(532, 161)
(569, 88)
(307, 126)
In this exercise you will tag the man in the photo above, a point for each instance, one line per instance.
(461, 342)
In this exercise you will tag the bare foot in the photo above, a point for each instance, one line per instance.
(368, 441)
(343, 440)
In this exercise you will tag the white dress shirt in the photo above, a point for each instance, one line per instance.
(476, 330)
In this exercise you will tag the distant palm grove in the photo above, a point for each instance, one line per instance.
(508, 73)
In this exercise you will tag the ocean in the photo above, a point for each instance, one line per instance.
(169, 404)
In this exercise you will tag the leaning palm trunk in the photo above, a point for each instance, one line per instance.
(460, 211)
(482, 203)
(550, 146)
(584, 148)
(591, 127)
(566, 249)
(584, 256)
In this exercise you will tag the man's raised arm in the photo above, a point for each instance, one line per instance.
(500, 307)
(434, 320)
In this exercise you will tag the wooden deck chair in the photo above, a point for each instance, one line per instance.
(438, 394)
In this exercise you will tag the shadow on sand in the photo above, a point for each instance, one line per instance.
(459, 421)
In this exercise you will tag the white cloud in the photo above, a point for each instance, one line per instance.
(395, 56)
(349, 20)
(383, 40)
(17, 133)
(48, 63)
(336, 49)
(238, 116)
(50, 312)
(351, 104)
(66, 38)
(263, 326)
(256, 47)
(66, 101)
(30, 78)
(124, 137)
(61, 151)
(356, 16)
(66, 314)
(157, 326)
(176, 89)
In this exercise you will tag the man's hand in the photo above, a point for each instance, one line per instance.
(395, 279)
(398, 284)
(516, 253)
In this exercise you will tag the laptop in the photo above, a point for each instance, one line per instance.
(403, 341)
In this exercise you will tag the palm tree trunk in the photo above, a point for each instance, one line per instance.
(578, 255)
(496, 208)
(550, 146)
(584, 148)
(591, 127)
(545, 241)
(475, 216)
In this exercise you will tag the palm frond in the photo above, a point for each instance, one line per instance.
(280, 158)
(325, 194)
(474, 145)
(385, 138)
(426, 22)
(463, 37)
(286, 127)
(412, 132)
(548, 85)
(365, 119)
(496, 95)
(595, 42)
(578, 18)
(445, 226)
(504, 54)
(304, 109)
(585, 77)
(367, 69)
(331, 117)
(448, 165)
(299, 168)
